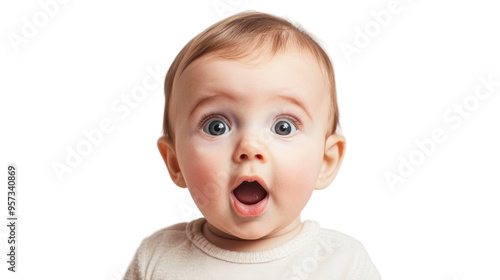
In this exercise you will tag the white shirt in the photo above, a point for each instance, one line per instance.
(182, 252)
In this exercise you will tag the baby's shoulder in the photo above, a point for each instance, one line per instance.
(342, 255)
(339, 241)
(171, 235)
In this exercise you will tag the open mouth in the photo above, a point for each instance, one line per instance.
(250, 193)
(250, 198)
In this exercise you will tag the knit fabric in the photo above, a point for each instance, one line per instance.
(182, 252)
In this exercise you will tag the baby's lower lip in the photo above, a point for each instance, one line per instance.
(252, 209)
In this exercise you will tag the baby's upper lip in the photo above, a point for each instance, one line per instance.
(250, 178)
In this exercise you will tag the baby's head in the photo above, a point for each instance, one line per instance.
(250, 124)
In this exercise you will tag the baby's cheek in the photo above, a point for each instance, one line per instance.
(203, 196)
(204, 179)
(299, 175)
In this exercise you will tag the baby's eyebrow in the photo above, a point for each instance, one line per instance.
(293, 100)
(221, 94)
(210, 98)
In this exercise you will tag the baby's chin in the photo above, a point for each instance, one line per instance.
(249, 236)
(247, 231)
(258, 232)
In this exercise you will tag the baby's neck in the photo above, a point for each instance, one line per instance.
(224, 241)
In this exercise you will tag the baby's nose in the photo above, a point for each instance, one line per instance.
(249, 149)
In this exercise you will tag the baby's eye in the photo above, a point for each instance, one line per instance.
(216, 127)
(284, 127)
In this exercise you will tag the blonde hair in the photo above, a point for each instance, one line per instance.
(240, 35)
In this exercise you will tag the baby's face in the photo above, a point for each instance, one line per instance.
(255, 120)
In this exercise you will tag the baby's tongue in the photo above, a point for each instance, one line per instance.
(250, 192)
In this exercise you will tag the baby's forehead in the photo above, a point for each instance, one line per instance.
(216, 67)
(258, 60)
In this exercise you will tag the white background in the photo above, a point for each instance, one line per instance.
(442, 222)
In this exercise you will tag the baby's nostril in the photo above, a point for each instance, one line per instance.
(257, 156)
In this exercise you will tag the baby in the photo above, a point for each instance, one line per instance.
(250, 130)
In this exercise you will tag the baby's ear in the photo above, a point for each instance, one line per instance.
(167, 151)
(334, 153)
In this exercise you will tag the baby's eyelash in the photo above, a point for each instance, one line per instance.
(208, 117)
(291, 118)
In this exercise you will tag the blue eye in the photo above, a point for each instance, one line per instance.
(283, 127)
(216, 128)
